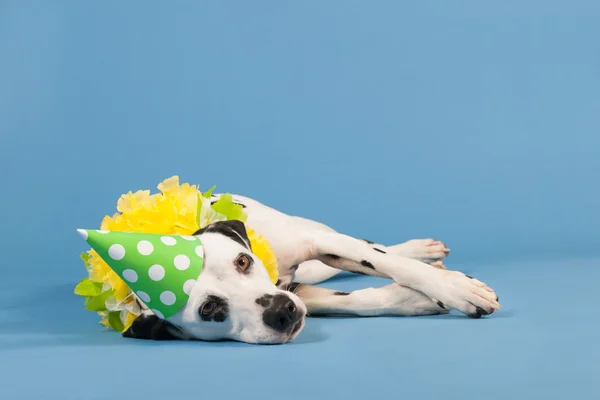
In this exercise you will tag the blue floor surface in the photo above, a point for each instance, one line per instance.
(543, 344)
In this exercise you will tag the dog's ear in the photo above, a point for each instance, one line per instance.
(234, 229)
(150, 327)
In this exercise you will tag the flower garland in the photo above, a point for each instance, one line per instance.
(177, 209)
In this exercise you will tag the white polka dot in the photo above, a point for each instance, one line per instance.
(143, 295)
(168, 240)
(182, 262)
(200, 251)
(168, 298)
(187, 286)
(156, 272)
(158, 313)
(83, 233)
(145, 247)
(130, 275)
(102, 232)
(189, 237)
(116, 252)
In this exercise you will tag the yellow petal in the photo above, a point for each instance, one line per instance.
(129, 320)
(169, 184)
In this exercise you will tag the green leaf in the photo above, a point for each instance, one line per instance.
(208, 193)
(88, 288)
(86, 260)
(85, 257)
(199, 211)
(229, 209)
(98, 302)
(114, 319)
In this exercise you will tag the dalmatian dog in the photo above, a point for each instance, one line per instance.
(234, 299)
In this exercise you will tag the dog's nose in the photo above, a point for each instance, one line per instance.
(282, 314)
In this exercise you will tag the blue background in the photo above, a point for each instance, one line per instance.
(476, 123)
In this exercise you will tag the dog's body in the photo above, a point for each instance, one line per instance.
(234, 299)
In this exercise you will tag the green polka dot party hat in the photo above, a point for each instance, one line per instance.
(160, 269)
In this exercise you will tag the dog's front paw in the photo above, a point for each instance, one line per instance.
(466, 294)
(429, 251)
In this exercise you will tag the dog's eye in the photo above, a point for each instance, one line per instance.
(242, 262)
(209, 307)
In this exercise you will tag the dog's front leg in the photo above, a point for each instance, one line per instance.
(391, 299)
(452, 288)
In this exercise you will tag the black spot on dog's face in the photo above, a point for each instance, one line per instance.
(341, 294)
(233, 229)
(379, 250)
(265, 300)
(367, 264)
(214, 309)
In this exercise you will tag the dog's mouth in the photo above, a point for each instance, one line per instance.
(297, 328)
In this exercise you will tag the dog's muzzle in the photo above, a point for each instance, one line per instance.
(282, 315)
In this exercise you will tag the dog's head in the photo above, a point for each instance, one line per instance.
(232, 299)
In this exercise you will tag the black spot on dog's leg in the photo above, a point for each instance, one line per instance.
(439, 303)
(481, 311)
(367, 264)
(379, 250)
(292, 287)
(468, 276)
(368, 241)
(332, 256)
(341, 294)
(359, 272)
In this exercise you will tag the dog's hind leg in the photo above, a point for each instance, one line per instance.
(391, 299)
(314, 271)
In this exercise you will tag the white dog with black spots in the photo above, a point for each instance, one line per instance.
(234, 299)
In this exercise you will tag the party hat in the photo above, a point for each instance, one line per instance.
(160, 269)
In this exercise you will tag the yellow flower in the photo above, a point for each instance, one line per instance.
(172, 211)
(129, 318)
(104, 319)
(262, 249)
(100, 272)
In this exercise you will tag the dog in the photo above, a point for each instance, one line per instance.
(234, 299)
